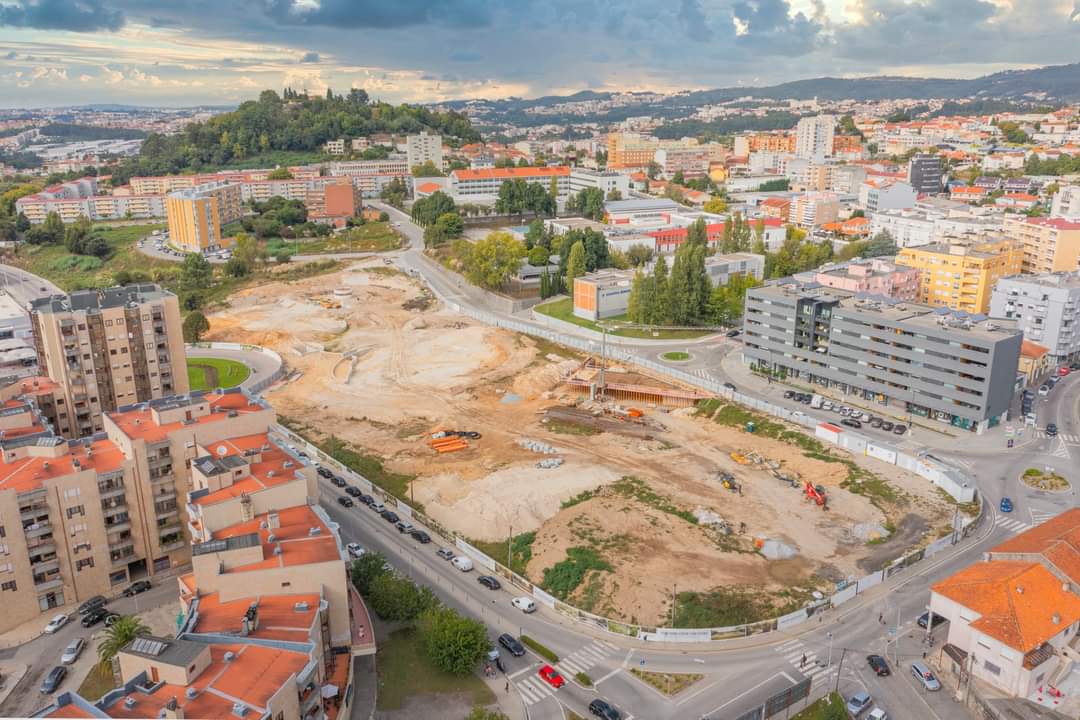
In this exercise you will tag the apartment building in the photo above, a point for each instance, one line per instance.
(877, 195)
(107, 348)
(333, 203)
(197, 215)
(721, 269)
(423, 148)
(924, 173)
(606, 181)
(913, 359)
(914, 227)
(778, 142)
(874, 276)
(482, 186)
(79, 198)
(814, 137)
(692, 161)
(961, 275)
(334, 147)
(1066, 203)
(1046, 308)
(1049, 244)
(812, 209)
(1012, 616)
(602, 294)
(369, 176)
(631, 150)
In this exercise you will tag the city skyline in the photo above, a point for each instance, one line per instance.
(60, 53)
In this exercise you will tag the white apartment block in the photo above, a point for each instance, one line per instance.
(914, 227)
(334, 147)
(607, 181)
(423, 148)
(1046, 308)
(1066, 203)
(814, 137)
(71, 200)
(813, 209)
(482, 186)
(877, 195)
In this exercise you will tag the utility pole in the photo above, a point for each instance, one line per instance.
(829, 635)
(839, 668)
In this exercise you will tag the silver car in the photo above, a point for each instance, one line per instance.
(73, 651)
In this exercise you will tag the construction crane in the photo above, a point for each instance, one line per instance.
(816, 494)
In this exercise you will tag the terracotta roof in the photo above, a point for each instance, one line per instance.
(1019, 196)
(270, 471)
(510, 173)
(1057, 540)
(28, 473)
(298, 547)
(1018, 602)
(428, 187)
(146, 429)
(1032, 350)
(776, 202)
(1059, 223)
(278, 617)
(71, 710)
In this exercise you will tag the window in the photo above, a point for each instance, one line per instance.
(82, 547)
(7, 568)
(4, 549)
(72, 493)
(10, 585)
(3, 532)
(84, 563)
(991, 668)
(108, 323)
(76, 510)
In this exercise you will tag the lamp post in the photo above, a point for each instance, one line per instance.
(830, 636)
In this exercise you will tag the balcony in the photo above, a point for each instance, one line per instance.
(37, 530)
(48, 584)
(45, 566)
(172, 544)
(42, 548)
(110, 491)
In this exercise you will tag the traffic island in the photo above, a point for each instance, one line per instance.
(1046, 480)
(669, 684)
(676, 356)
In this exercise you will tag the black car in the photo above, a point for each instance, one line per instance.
(603, 709)
(876, 422)
(389, 516)
(354, 491)
(806, 399)
(1074, 366)
(788, 394)
(887, 426)
(489, 582)
(366, 499)
(512, 645)
(899, 429)
(338, 481)
(851, 423)
(323, 472)
(110, 618)
(91, 604)
(139, 586)
(938, 619)
(733, 333)
(1051, 430)
(93, 617)
(730, 386)
(421, 537)
(53, 679)
(345, 501)
(878, 665)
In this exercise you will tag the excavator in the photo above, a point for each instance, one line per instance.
(816, 494)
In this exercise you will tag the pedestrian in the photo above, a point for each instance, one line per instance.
(881, 619)
(803, 661)
(507, 689)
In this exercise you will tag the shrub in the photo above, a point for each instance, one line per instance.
(539, 649)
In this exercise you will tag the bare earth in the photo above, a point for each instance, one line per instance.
(383, 377)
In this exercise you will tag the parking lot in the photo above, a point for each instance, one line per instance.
(848, 416)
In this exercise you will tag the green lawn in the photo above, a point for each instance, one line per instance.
(96, 683)
(563, 309)
(210, 373)
(370, 237)
(676, 356)
(405, 671)
(830, 707)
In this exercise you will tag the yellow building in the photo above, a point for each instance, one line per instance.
(961, 276)
(196, 215)
(1049, 244)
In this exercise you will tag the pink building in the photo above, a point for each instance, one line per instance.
(874, 276)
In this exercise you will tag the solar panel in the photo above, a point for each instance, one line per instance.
(147, 646)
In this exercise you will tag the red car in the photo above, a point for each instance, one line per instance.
(552, 677)
(1063, 371)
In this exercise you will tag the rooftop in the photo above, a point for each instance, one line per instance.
(137, 422)
(509, 173)
(1057, 541)
(280, 617)
(294, 537)
(1021, 604)
(96, 300)
(269, 471)
(1032, 350)
(29, 473)
(641, 205)
(1054, 279)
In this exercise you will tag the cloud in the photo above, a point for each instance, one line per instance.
(310, 57)
(381, 14)
(73, 15)
(693, 20)
(11, 55)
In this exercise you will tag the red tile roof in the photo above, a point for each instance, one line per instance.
(1032, 350)
(28, 473)
(297, 546)
(428, 187)
(278, 617)
(139, 423)
(511, 173)
(1057, 540)
(270, 471)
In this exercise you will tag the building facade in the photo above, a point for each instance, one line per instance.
(814, 137)
(910, 358)
(606, 181)
(812, 209)
(482, 186)
(924, 173)
(961, 276)
(602, 294)
(877, 195)
(424, 148)
(197, 215)
(1046, 308)
(1049, 244)
(873, 276)
(1066, 203)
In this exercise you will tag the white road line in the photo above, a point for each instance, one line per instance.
(520, 672)
(608, 676)
(571, 666)
(746, 692)
(626, 660)
(784, 647)
(792, 657)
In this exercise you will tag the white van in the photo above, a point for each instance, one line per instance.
(815, 402)
(462, 563)
(524, 604)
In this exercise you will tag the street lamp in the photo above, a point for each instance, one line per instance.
(830, 636)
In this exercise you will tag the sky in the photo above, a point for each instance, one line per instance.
(187, 52)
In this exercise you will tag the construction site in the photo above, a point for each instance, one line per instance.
(503, 435)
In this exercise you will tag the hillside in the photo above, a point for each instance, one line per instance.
(293, 125)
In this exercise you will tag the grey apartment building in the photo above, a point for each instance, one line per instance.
(924, 173)
(935, 363)
(1045, 307)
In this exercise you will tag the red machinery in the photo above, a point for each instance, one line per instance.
(815, 494)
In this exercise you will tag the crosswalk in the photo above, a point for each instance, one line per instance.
(1070, 438)
(1038, 517)
(806, 661)
(1010, 524)
(533, 689)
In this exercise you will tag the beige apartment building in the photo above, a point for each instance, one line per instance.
(196, 215)
(961, 275)
(1049, 244)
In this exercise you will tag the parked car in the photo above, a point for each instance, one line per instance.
(1051, 430)
(877, 714)
(938, 619)
(1006, 505)
(445, 553)
(389, 516)
(512, 645)
(524, 604)
(899, 429)
(605, 710)
(826, 405)
(1044, 390)
(1074, 366)
(806, 399)
(1063, 371)
(851, 423)
(788, 394)
(377, 506)
(366, 499)
(876, 422)
(53, 680)
(323, 472)
(489, 582)
(730, 386)
(73, 651)
(858, 703)
(421, 537)
(338, 481)
(111, 618)
(57, 622)
(733, 333)
(552, 677)
(355, 550)
(96, 601)
(93, 617)
(345, 501)
(462, 563)
(878, 664)
(887, 426)
(404, 526)
(353, 491)
(924, 676)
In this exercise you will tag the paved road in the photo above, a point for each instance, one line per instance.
(24, 286)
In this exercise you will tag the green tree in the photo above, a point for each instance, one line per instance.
(653, 170)
(394, 193)
(535, 234)
(426, 211)
(76, 233)
(195, 325)
(538, 256)
(491, 262)
(716, 205)
(398, 599)
(196, 273)
(697, 233)
(235, 267)
(245, 250)
(22, 223)
(678, 178)
(448, 226)
(117, 636)
(280, 173)
(639, 255)
(880, 245)
(453, 643)
(726, 302)
(660, 305)
(52, 229)
(635, 303)
(575, 264)
(427, 169)
(365, 569)
(7, 230)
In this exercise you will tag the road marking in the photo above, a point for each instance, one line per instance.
(744, 693)
(626, 660)
(782, 647)
(608, 676)
(520, 672)
(1038, 517)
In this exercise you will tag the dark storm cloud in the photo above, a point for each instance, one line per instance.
(73, 15)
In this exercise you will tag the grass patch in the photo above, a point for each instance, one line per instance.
(583, 679)
(728, 606)
(228, 373)
(676, 356)
(405, 671)
(579, 498)
(568, 427)
(520, 548)
(96, 683)
(541, 650)
(371, 467)
(669, 684)
(564, 577)
(546, 347)
(563, 309)
(707, 408)
(1035, 478)
(370, 237)
(634, 488)
(830, 707)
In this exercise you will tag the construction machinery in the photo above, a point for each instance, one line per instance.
(740, 458)
(728, 481)
(816, 494)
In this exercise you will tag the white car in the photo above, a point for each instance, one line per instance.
(355, 550)
(56, 623)
(73, 651)
(524, 604)
(877, 714)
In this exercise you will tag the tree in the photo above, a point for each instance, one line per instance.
(195, 325)
(716, 205)
(635, 303)
(280, 173)
(384, 216)
(535, 234)
(245, 250)
(426, 211)
(639, 255)
(398, 599)
(481, 713)
(75, 233)
(494, 260)
(726, 302)
(452, 642)
(590, 203)
(7, 230)
(22, 223)
(52, 229)
(697, 233)
(196, 273)
(575, 263)
(653, 170)
(365, 569)
(881, 244)
(614, 195)
(427, 169)
(678, 178)
(447, 227)
(235, 267)
(119, 634)
(659, 309)
(538, 256)
(394, 193)
(95, 245)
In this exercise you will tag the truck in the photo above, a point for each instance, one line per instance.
(815, 402)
